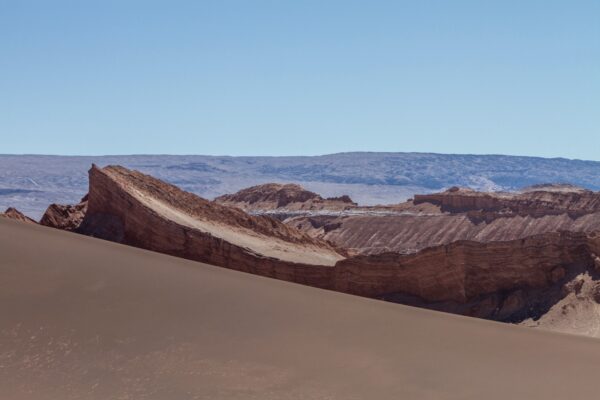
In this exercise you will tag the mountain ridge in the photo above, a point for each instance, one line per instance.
(31, 182)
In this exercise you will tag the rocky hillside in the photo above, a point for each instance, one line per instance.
(283, 198)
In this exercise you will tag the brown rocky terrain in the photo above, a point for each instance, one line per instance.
(509, 281)
(577, 309)
(132, 208)
(13, 213)
(408, 233)
(534, 202)
(290, 197)
(66, 217)
(504, 279)
(458, 214)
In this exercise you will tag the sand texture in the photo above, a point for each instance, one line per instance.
(81, 318)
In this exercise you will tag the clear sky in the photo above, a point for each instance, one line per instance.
(300, 77)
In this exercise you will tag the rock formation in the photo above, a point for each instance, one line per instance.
(291, 197)
(533, 202)
(408, 233)
(457, 214)
(66, 217)
(499, 280)
(504, 278)
(13, 213)
(132, 208)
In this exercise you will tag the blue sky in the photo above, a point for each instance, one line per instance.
(300, 77)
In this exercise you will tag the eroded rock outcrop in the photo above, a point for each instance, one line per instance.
(66, 217)
(132, 208)
(533, 202)
(409, 233)
(461, 214)
(13, 213)
(576, 309)
(292, 197)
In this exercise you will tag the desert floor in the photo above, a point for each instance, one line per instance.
(82, 318)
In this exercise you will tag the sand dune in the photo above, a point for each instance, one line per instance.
(81, 318)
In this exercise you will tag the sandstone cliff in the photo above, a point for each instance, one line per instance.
(470, 277)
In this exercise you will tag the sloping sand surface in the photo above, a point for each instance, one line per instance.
(81, 318)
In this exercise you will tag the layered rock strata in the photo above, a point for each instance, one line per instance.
(534, 203)
(368, 234)
(499, 280)
(132, 208)
(464, 215)
(505, 280)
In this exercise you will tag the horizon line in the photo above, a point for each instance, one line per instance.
(293, 156)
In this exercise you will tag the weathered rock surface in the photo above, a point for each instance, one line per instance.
(464, 270)
(510, 280)
(535, 203)
(13, 213)
(66, 217)
(408, 233)
(272, 196)
(577, 309)
(132, 208)
(458, 214)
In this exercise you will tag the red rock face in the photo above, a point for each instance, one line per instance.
(13, 213)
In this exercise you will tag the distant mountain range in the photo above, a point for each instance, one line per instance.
(31, 182)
